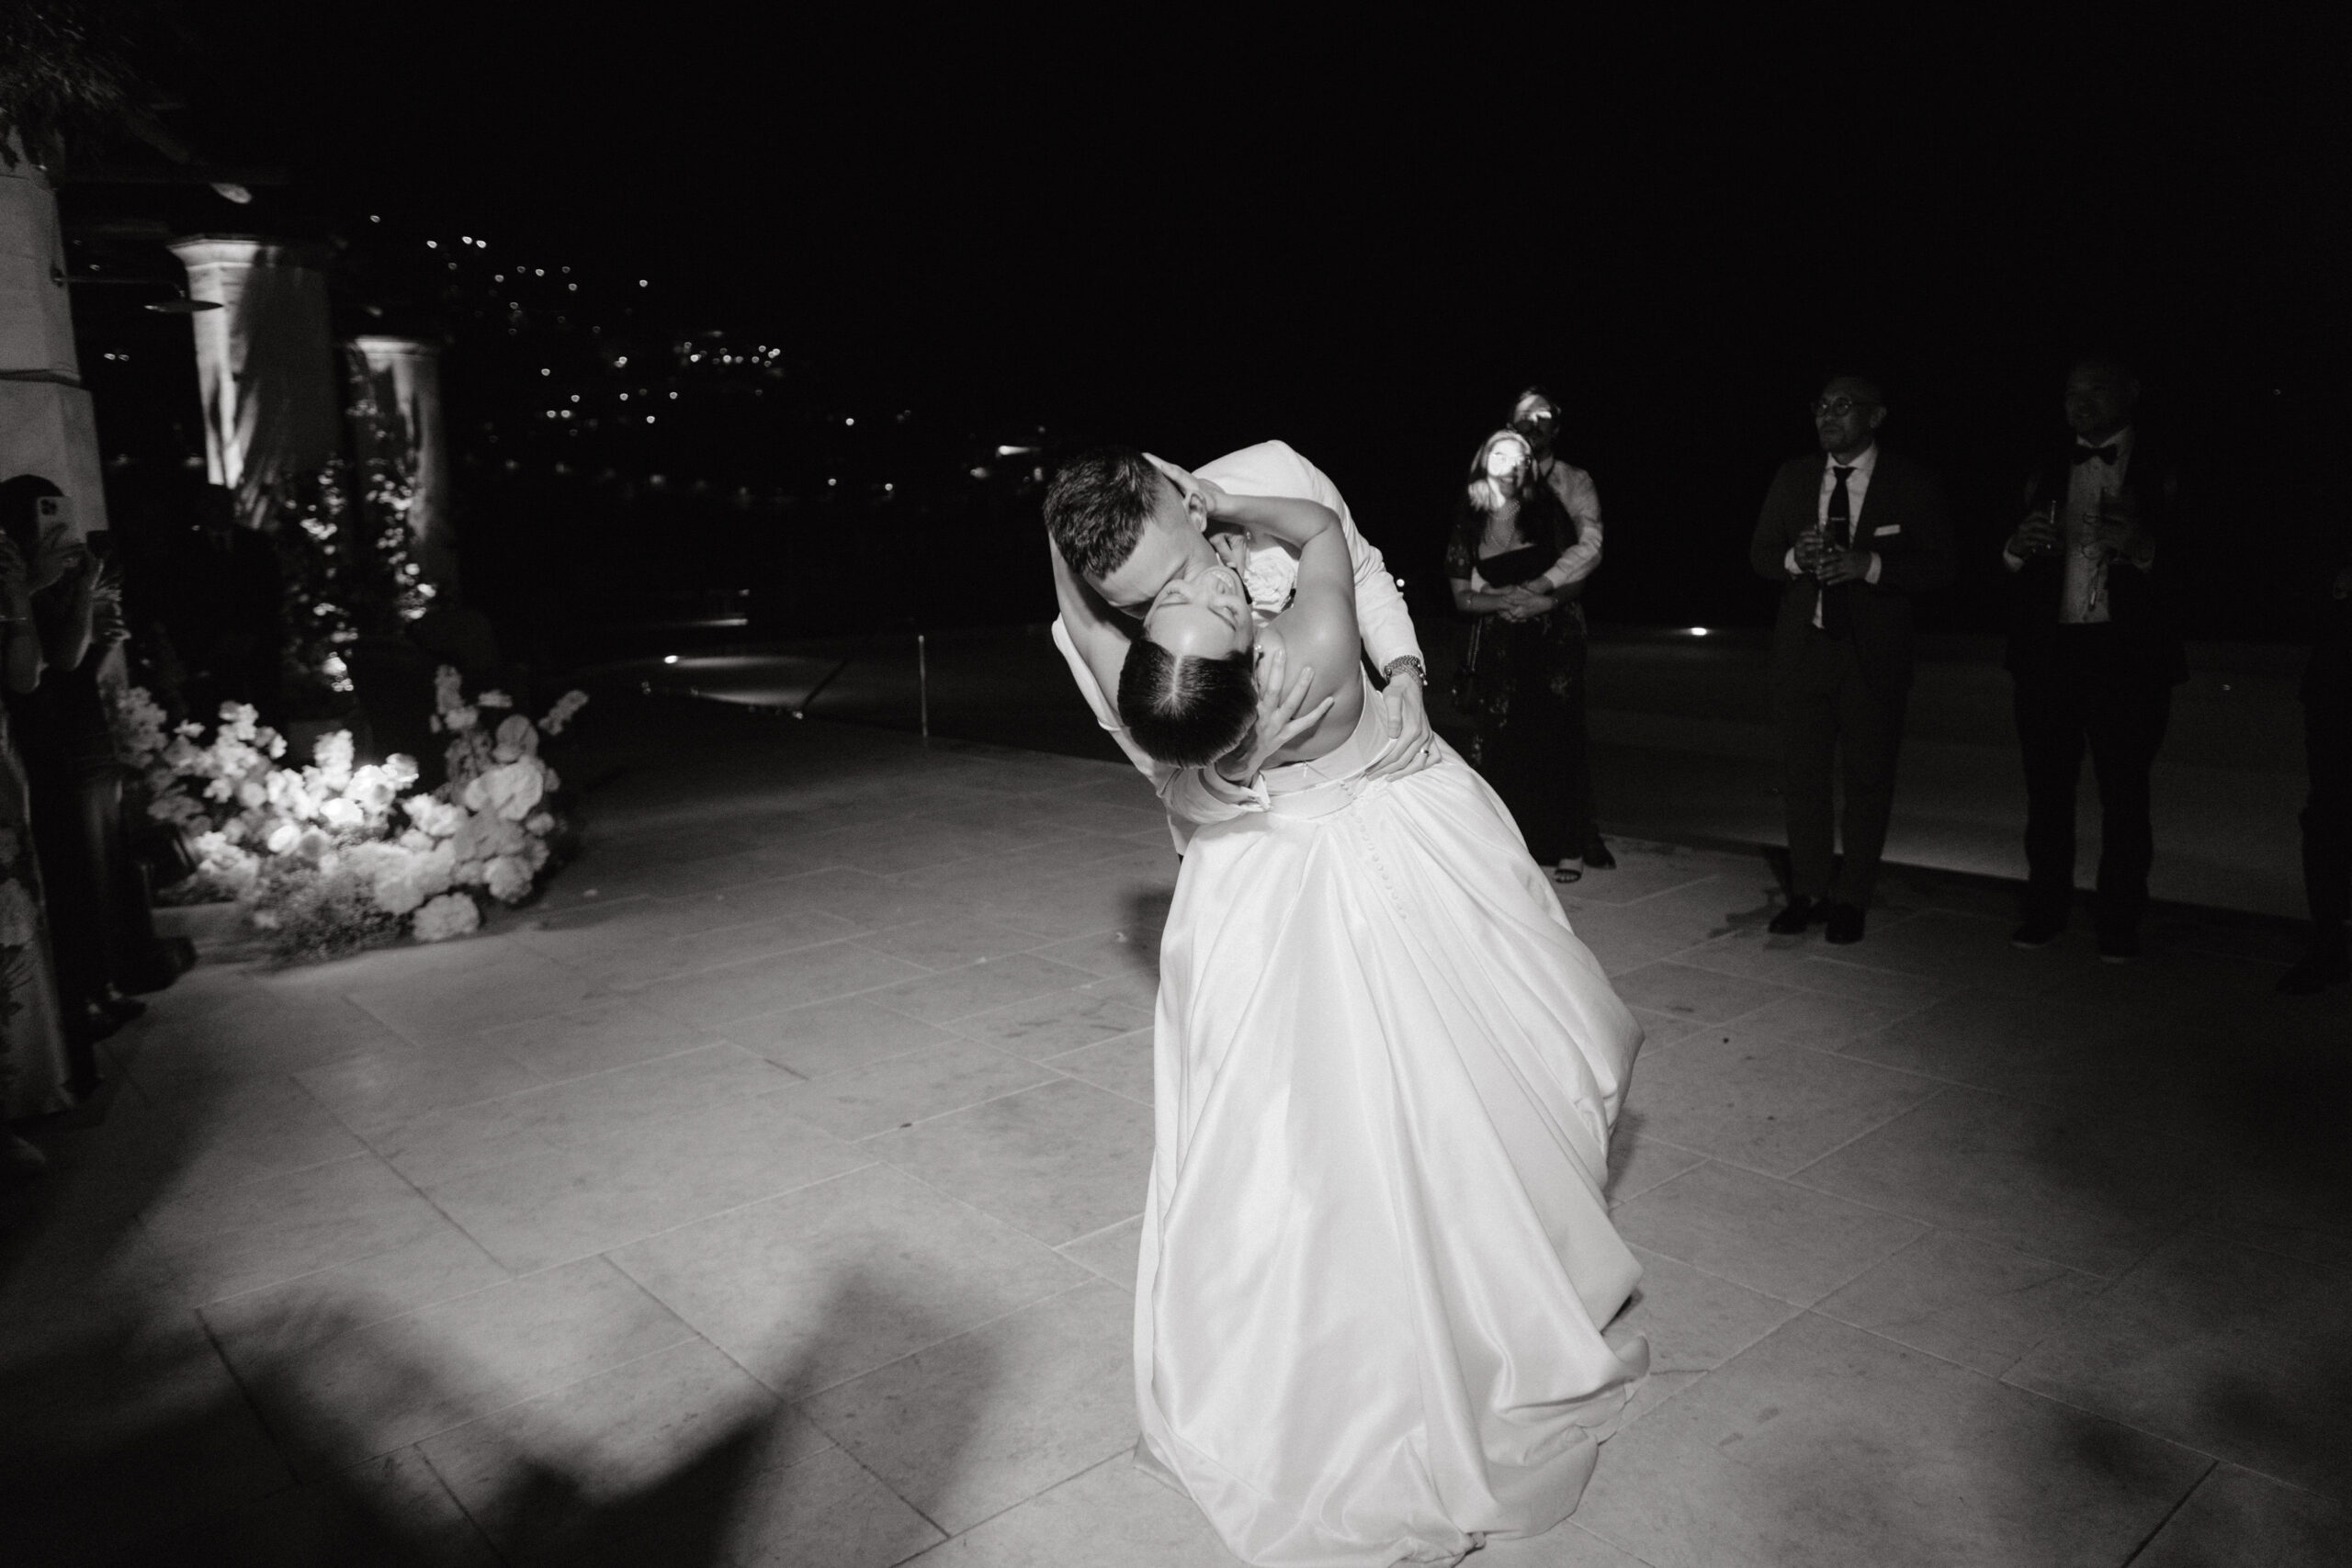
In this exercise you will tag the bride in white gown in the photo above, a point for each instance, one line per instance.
(1377, 1260)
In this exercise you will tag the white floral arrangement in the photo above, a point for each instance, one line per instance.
(334, 857)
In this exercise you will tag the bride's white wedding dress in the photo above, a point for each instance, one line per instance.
(1377, 1259)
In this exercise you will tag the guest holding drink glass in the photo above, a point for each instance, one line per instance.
(2093, 652)
(1851, 534)
(1537, 417)
(1521, 678)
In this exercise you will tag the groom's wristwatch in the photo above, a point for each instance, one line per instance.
(1407, 663)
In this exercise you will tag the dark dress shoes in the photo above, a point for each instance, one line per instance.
(2118, 945)
(2325, 964)
(1845, 922)
(2038, 931)
(1796, 914)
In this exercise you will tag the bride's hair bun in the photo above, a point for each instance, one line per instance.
(1185, 709)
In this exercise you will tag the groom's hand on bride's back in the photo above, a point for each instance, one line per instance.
(1280, 722)
(1405, 714)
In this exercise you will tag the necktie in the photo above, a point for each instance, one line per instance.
(1836, 614)
(2106, 453)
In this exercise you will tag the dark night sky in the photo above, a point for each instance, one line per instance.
(1193, 234)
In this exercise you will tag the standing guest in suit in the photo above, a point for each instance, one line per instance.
(2327, 809)
(1853, 535)
(2095, 651)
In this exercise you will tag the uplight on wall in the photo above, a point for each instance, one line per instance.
(1698, 631)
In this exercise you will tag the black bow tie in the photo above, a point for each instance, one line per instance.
(2104, 454)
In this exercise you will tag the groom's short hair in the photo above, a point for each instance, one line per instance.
(1098, 504)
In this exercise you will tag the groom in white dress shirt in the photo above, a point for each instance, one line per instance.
(1118, 585)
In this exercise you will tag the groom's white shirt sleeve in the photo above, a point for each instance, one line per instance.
(1198, 796)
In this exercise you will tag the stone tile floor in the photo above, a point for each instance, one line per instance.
(767, 1195)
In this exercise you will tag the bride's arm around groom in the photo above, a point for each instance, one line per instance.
(1197, 797)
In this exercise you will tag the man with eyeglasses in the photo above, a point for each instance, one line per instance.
(1851, 534)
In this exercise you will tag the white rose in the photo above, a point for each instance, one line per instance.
(333, 753)
(371, 790)
(282, 837)
(452, 914)
(508, 878)
(398, 892)
(510, 791)
(438, 817)
(435, 870)
(516, 739)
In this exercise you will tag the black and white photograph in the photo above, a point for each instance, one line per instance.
(833, 787)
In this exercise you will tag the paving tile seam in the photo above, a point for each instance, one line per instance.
(1791, 1176)
(1801, 1307)
(1584, 1529)
(481, 1529)
(438, 1114)
(1054, 1074)
(2208, 1226)
(1977, 1374)
(811, 1001)
(1092, 1282)
(419, 1440)
(587, 1143)
(1097, 1235)
(1698, 881)
(606, 1252)
(797, 1400)
(598, 964)
(949, 1023)
(1126, 1454)
(1698, 1158)
(2162, 1232)
(2113, 1420)
(253, 1412)
(2170, 1514)
(145, 1212)
(1820, 1309)
(849, 1067)
(1055, 1248)
(1035, 950)
(1800, 958)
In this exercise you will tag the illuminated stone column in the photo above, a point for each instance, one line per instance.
(46, 426)
(395, 385)
(264, 362)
